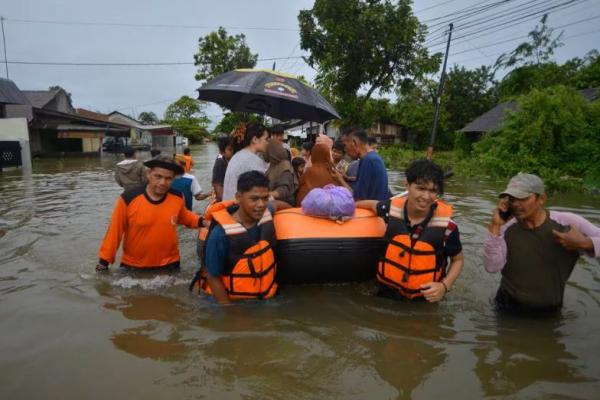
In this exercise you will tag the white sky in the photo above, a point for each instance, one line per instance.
(132, 89)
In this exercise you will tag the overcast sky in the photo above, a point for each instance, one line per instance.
(132, 89)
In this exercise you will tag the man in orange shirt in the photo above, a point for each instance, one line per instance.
(146, 218)
(189, 161)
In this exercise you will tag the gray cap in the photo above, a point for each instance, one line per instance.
(522, 186)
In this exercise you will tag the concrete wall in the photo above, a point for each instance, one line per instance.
(15, 129)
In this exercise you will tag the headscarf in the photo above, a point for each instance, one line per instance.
(279, 162)
(321, 139)
(322, 171)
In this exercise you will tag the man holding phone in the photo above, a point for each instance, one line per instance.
(535, 249)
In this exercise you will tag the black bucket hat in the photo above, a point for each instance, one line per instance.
(166, 163)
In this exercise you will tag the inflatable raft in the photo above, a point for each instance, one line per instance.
(319, 250)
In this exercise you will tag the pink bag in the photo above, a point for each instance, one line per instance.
(331, 201)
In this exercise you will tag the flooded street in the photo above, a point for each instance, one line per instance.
(68, 333)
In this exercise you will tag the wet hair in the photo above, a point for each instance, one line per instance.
(308, 146)
(425, 171)
(223, 141)
(360, 134)
(297, 162)
(371, 140)
(339, 146)
(251, 179)
(128, 152)
(186, 151)
(244, 133)
(276, 131)
(154, 153)
(346, 130)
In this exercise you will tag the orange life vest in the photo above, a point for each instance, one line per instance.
(188, 163)
(411, 261)
(208, 216)
(250, 265)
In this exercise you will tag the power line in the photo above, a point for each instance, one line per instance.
(133, 25)
(122, 64)
(507, 24)
(497, 54)
(525, 36)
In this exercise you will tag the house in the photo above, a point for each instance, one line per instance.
(388, 133)
(492, 120)
(49, 124)
(160, 136)
(15, 112)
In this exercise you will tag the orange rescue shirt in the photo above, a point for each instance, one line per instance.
(189, 162)
(148, 229)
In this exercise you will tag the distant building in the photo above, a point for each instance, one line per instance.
(160, 136)
(492, 120)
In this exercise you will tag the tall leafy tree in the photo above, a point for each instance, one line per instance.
(372, 45)
(537, 50)
(187, 116)
(467, 94)
(219, 52)
(148, 118)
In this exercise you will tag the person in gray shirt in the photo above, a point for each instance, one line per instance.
(248, 141)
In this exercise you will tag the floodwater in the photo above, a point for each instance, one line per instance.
(67, 333)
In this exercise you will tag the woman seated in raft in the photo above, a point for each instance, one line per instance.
(322, 172)
(283, 182)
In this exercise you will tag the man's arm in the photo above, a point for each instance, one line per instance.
(218, 289)
(112, 238)
(583, 235)
(435, 291)
(368, 205)
(188, 218)
(494, 249)
(214, 258)
(218, 188)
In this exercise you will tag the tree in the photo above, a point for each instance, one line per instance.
(376, 45)
(538, 50)
(467, 94)
(231, 119)
(218, 53)
(187, 117)
(555, 132)
(52, 88)
(148, 118)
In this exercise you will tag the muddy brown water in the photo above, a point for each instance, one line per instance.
(66, 333)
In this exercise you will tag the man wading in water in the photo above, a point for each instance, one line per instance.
(535, 249)
(146, 218)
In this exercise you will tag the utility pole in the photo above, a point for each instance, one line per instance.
(438, 99)
(4, 41)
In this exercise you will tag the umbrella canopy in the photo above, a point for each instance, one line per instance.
(276, 94)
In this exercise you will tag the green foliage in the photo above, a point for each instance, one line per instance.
(356, 44)
(467, 94)
(219, 52)
(555, 133)
(231, 119)
(187, 117)
(538, 50)
(148, 118)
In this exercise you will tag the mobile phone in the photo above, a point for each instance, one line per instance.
(505, 215)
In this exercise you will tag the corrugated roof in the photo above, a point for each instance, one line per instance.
(10, 93)
(492, 120)
(91, 114)
(39, 98)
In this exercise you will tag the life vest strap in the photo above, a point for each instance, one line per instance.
(259, 295)
(411, 271)
(253, 273)
(412, 250)
(258, 252)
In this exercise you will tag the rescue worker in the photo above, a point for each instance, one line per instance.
(189, 162)
(145, 218)
(239, 253)
(421, 236)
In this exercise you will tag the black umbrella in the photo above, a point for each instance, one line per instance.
(276, 94)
